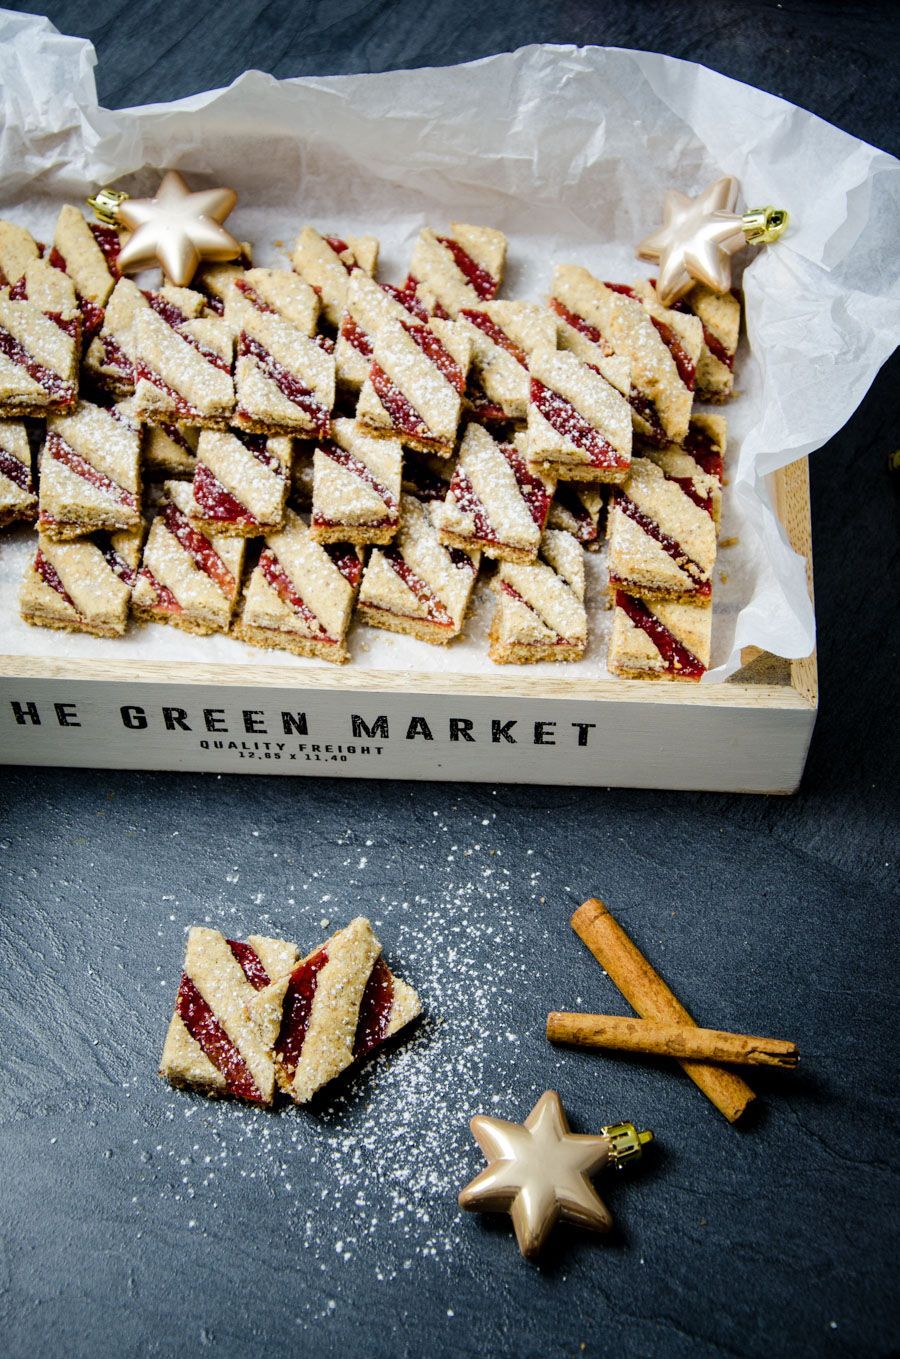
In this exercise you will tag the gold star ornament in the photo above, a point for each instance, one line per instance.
(538, 1171)
(178, 227)
(699, 235)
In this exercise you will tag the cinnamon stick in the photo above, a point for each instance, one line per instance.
(647, 993)
(669, 1040)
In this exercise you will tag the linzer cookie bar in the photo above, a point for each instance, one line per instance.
(576, 509)
(663, 347)
(462, 269)
(166, 450)
(213, 1044)
(540, 612)
(326, 263)
(659, 639)
(356, 487)
(90, 474)
(579, 425)
(582, 308)
(187, 578)
(503, 335)
(369, 306)
(110, 356)
(720, 316)
(300, 594)
(415, 385)
(82, 586)
(697, 463)
(662, 543)
(338, 1005)
(18, 501)
(182, 367)
(88, 252)
(18, 249)
(495, 504)
(240, 484)
(285, 380)
(214, 278)
(40, 344)
(418, 586)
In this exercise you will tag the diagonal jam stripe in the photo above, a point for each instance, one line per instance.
(14, 470)
(298, 1003)
(653, 530)
(677, 657)
(712, 341)
(374, 1009)
(275, 576)
(512, 593)
(578, 323)
(114, 356)
(91, 314)
(119, 566)
(354, 334)
(703, 502)
(406, 298)
(206, 1030)
(402, 412)
(704, 451)
(533, 490)
(359, 469)
(165, 599)
(430, 345)
(587, 530)
(486, 411)
(61, 392)
(340, 247)
(216, 501)
(57, 448)
(346, 560)
(687, 370)
(177, 321)
(187, 414)
(483, 282)
(253, 296)
(290, 386)
(568, 422)
(198, 548)
(463, 493)
(488, 327)
(50, 576)
(436, 611)
(250, 963)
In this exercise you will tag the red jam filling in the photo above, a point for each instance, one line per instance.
(253, 296)
(624, 288)
(165, 600)
(431, 347)
(407, 299)
(567, 421)
(187, 413)
(704, 451)
(15, 471)
(374, 1009)
(411, 288)
(403, 414)
(250, 963)
(178, 321)
(50, 576)
(649, 526)
(435, 611)
(278, 579)
(114, 356)
(678, 659)
(340, 248)
(290, 386)
(645, 410)
(486, 411)
(108, 240)
(580, 324)
(206, 1030)
(534, 492)
(198, 548)
(359, 469)
(686, 368)
(60, 451)
(463, 493)
(62, 393)
(119, 566)
(346, 560)
(703, 502)
(478, 277)
(355, 336)
(712, 342)
(298, 1003)
(462, 561)
(216, 502)
(496, 334)
(512, 593)
(174, 433)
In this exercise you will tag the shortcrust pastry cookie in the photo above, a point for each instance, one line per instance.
(88, 252)
(166, 450)
(582, 308)
(300, 594)
(187, 578)
(182, 366)
(18, 249)
(82, 586)
(720, 316)
(214, 278)
(369, 306)
(662, 544)
(697, 463)
(504, 335)
(663, 347)
(659, 639)
(285, 379)
(110, 356)
(418, 586)
(326, 263)
(18, 501)
(40, 344)
(356, 487)
(90, 474)
(579, 425)
(213, 1044)
(461, 269)
(241, 482)
(415, 385)
(540, 612)
(576, 509)
(337, 1005)
(495, 503)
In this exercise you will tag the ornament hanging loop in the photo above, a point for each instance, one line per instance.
(626, 1142)
(105, 203)
(762, 226)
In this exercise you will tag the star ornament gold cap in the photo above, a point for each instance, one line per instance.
(699, 235)
(178, 227)
(538, 1171)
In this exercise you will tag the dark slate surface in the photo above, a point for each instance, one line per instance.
(136, 1221)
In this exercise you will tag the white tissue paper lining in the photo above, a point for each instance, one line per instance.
(568, 150)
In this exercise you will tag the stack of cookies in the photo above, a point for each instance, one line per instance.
(276, 453)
